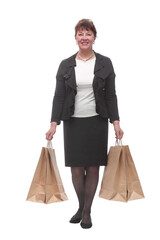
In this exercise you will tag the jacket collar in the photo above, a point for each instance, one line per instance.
(70, 74)
(98, 64)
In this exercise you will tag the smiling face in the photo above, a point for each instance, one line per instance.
(85, 39)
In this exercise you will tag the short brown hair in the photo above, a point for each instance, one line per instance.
(87, 24)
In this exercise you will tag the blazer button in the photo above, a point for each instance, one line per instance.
(103, 88)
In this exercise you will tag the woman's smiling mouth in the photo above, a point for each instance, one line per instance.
(84, 43)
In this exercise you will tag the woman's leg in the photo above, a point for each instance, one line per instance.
(91, 182)
(78, 179)
(85, 185)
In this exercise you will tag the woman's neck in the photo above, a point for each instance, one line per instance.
(85, 53)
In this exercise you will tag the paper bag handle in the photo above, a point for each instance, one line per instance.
(49, 144)
(118, 142)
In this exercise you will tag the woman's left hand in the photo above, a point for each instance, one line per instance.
(118, 131)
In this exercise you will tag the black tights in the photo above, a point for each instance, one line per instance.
(85, 181)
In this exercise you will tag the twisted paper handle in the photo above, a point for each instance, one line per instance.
(49, 144)
(118, 142)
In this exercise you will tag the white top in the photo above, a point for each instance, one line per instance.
(84, 99)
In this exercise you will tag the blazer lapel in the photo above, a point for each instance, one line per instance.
(98, 64)
(70, 76)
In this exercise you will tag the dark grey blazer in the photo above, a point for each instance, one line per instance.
(103, 87)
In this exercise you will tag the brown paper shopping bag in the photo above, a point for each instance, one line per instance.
(47, 186)
(134, 188)
(120, 180)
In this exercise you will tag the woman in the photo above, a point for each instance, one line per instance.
(85, 98)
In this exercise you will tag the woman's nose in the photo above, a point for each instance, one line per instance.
(84, 37)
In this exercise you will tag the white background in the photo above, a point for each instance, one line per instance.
(35, 37)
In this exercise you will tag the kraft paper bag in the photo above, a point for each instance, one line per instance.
(47, 186)
(120, 180)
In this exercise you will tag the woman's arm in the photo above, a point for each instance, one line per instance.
(59, 96)
(57, 105)
(111, 97)
(112, 103)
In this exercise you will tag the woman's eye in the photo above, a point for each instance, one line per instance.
(88, 34)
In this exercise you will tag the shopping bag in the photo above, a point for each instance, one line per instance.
(120, 180)
(47, 186)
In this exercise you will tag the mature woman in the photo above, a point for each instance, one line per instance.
(85, 99)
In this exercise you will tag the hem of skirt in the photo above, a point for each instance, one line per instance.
(94, 165)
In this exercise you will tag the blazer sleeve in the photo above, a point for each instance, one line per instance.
(111, 97)
(59, 96)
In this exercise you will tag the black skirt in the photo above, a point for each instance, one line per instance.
(85, 141)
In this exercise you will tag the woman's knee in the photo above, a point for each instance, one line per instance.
(92, 170)
(78, 171)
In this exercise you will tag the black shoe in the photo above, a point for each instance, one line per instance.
(75, 220)
(86, 225)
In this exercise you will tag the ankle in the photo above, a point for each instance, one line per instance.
(80, 209)
(86, 212)
(79, 212)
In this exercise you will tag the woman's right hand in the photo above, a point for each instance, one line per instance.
(51, 131)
